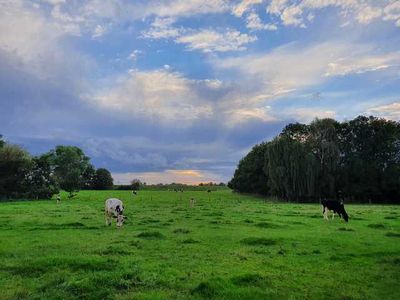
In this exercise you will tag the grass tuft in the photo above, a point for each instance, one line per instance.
(151, 235)
(268, 225)
(345, 229)
(257, 241)
(392, 234)
(111, 250)
(190, 241)
(209, 289)
(181, 230)
(377, 226)
(249, 279)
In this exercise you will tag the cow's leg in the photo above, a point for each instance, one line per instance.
(326, 213)
(108, 219)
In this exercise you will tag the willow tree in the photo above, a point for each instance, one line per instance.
(323, 140)
(291, 169)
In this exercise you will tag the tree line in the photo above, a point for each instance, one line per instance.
(23, 175)
(356, 160)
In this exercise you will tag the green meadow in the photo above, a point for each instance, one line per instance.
(228, 246)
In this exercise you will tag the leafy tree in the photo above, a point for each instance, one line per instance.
(103, 179)
(14, 166)
(249, 176)
(39, 181)
(358, 160)
(2, 142)
(136, 184)
(296, 131)
(89, 176)
(70, 163)
(370, 158)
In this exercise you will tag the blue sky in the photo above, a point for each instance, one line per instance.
(180, 90)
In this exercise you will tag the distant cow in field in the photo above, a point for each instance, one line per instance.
(134, 192)
(192, 202)
(114, 208)
(208, 191)
(335, 207)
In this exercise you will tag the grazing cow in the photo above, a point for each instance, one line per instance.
(134, 192)
(192, 202)
(334, 206)
(58, 199)
(114, 208)
(208, 191)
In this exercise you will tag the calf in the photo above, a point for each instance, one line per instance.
(335, 207)
(114, 208)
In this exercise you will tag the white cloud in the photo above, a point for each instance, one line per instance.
(243, 6)
(307, 114)
(277, 6)
(185, 8)
(205, 40)
(297, 12)
(292, 15)
(160, 95)
(388, 111)
(34, 43)
(366, 14)
(134, 54)
(392, 12)
(237, 115)
(76, 17)
(162, 28)
(365, 63)
(292, 69)
(99, 31)
(254, 23)
(53, 2)
(213, 41)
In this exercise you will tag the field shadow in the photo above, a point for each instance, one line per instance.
(258, 241)
(156, 235)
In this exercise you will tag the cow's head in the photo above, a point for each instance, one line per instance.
(120, 220)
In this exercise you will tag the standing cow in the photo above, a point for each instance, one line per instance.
(335, 207)
(114, 208)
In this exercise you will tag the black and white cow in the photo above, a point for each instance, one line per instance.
(114, 208)
(335, 207)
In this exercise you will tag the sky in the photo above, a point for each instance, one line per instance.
(179, 91)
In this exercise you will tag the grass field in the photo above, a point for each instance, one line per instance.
(226, 247)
